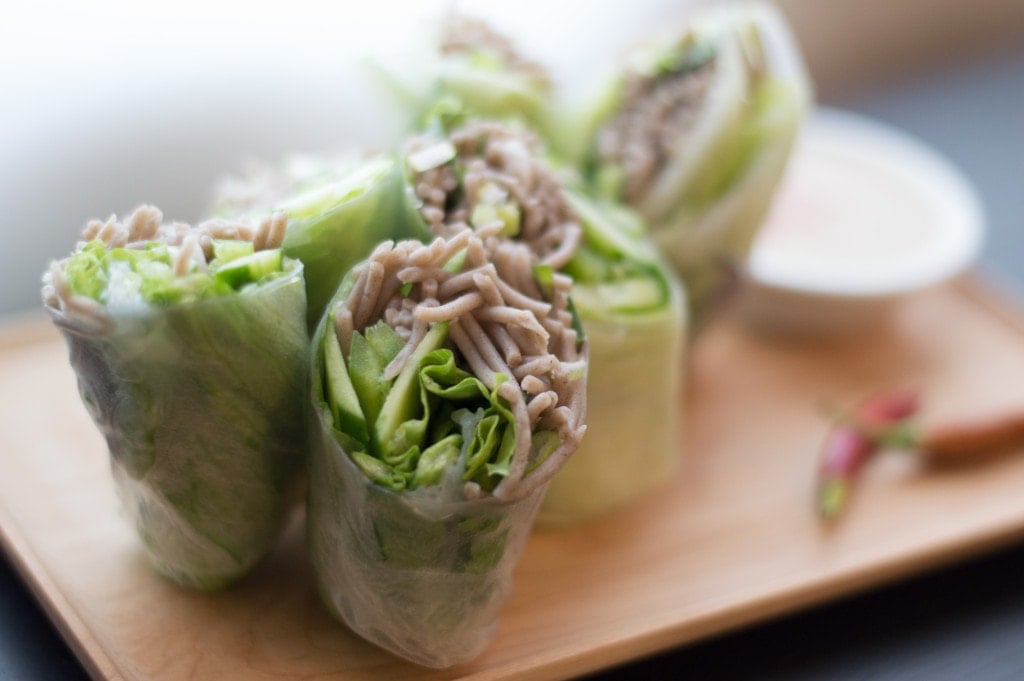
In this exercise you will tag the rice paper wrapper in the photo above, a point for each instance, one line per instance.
(709, 243)
(635, 383)
(422, 574)
(202, 407)
(706, 198)
(338, 210)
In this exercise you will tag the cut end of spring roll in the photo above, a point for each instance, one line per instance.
(142, 263)
(449, 387)
(190, 350)
(418, 317)
(676, 127)
(490, 177)
(696, 132)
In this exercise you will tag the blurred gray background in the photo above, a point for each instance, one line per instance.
(110, 104)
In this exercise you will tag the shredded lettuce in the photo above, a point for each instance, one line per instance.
(615, 270)
(119, 276)
(405, 432)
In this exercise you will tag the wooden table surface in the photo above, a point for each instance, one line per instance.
(731, 541)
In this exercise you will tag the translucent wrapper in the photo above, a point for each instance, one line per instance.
(696, 132)
(447, 394)
(636, 332)
(337, 209)
(422, 574)
(202, 405)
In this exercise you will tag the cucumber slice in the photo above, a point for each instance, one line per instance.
(250, 268)
(226, 250)
(632, 295)
(609, 229)
(341, 394)
(366, 370)
(403, 399)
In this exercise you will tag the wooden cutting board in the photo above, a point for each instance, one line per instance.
(731, 541)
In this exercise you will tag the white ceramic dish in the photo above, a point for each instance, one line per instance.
(864, 215)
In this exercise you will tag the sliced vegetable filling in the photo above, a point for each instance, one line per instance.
(437, 363)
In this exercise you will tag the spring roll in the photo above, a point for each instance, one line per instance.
(338, 209)
(472, 66)
(492, 177)
(191, 353)
(695, 133)
(633, 310)
(449, 386)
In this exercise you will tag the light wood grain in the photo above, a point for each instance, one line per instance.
(732, 541)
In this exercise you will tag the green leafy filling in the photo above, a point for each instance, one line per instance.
(133, 275)
(406, 432)
(612, 270)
